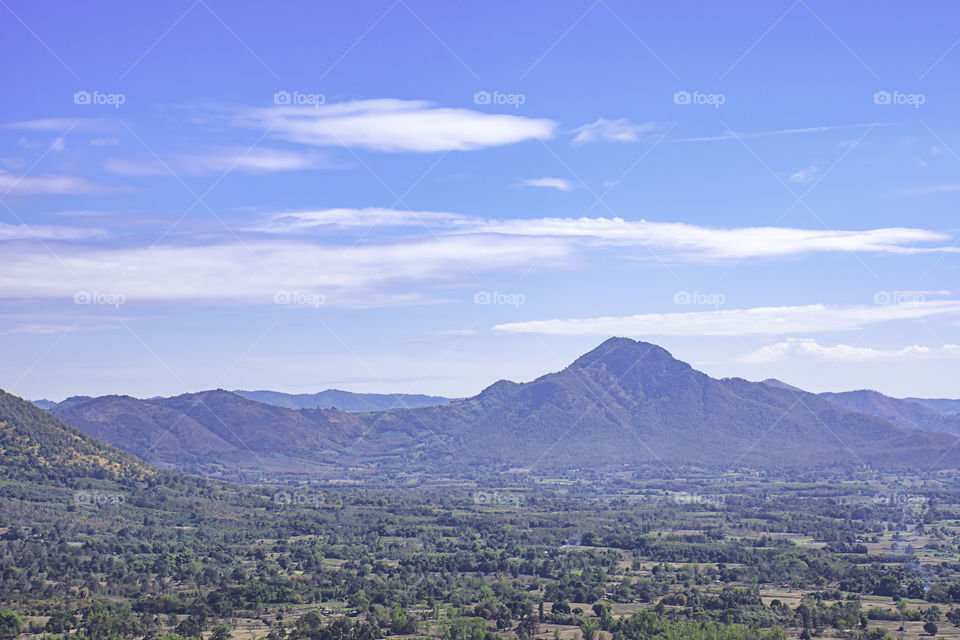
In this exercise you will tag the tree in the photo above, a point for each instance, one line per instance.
(528, 627)
(602, 609)
(359, 601)
(588, 629)
(930, 627)
(221, 632)
(10, 624)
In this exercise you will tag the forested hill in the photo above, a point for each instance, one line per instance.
(37, 445)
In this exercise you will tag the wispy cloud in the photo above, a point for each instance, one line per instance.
(395, 126)
(734, 135)
(696, 243)
(937, 188)
(806, 174)
(59, 125)
(810, 348)
(45, 232)
(217, 160)
(815, 318)
(603, 130)
(673, 240)
(20, 185)
(346, 218)
(560, 184)
(254, 272)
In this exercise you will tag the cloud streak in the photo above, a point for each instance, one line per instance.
(25, 185)
(45, 232)
(560, 184)
(673, 240)
(815, 318)
(603, 130)
(696, 243)
(810, 348)
(254, 272)
(390, 125)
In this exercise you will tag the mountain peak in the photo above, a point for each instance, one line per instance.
(619, 351)
(780, 384)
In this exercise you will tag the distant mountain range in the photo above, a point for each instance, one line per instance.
(943, 405)
(911, 413)
(625, 403)
(344, 400)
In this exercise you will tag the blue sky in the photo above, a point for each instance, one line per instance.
(430, 196)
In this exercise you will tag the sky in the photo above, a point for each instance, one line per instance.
(425, 197)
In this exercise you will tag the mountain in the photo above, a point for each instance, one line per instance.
(628, 402)
(344, 400)
(623, 404)
(942, 405)
(904, 413)
(43, 403)
(773, 382)
(36, 445)
(211, 431)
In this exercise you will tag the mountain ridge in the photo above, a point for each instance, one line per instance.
(348, 401)
(623, 403)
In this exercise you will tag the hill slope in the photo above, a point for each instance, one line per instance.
(37, 445)
(212, 430)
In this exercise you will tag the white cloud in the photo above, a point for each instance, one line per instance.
(59, 125)
(561, 184)
(603, 130)
(813, 318)
(806, 174)
(425, 248)
(734, 135)
(19, 185)
(345, 218)
(455, 332)
(254, 272)
(810, 348)
(696, 243)
(395, 126)
(939, 188)
(44, 232)
(222, 159)
(672, 240)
